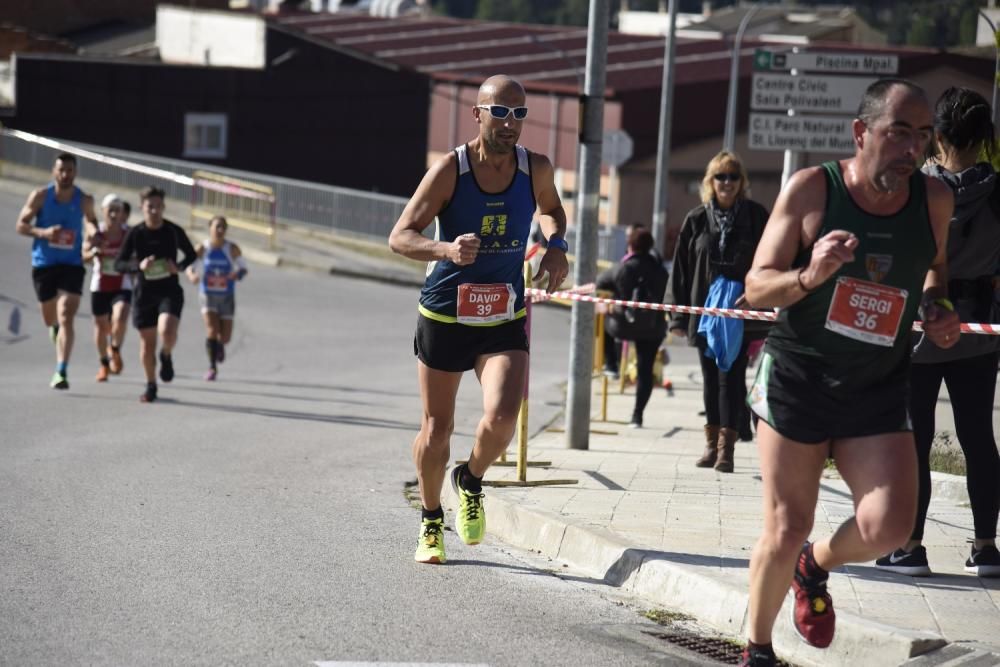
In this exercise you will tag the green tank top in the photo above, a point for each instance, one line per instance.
(854, 330)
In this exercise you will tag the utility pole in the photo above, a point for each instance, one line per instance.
(661, 191)
(581, 347)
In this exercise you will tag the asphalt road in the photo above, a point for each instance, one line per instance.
(261, 519)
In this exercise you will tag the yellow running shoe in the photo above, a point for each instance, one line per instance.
(470, 518)
(430, 543)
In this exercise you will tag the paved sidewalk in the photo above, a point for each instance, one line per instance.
(644, 518)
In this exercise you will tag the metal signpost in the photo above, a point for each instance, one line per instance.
(803, 96)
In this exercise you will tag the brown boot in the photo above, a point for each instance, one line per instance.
(707, 459)
(727, 440)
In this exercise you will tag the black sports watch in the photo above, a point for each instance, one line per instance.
(558, 243)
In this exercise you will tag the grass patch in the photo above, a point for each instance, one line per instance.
(946, 454)
(665, 617)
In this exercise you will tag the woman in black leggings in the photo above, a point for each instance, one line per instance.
(963, 128)
(639, 277)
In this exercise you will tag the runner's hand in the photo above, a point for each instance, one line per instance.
(942, 326)
(192, 275)
(463, 250)
(49, 233)
(829, 253)
(144, 264)
(556, 266)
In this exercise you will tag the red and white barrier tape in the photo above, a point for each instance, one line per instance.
(763, 315)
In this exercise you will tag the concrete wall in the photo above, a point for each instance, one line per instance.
(220, 39)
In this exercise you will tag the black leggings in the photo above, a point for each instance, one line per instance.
(645, 357)
(724, 393)
(971, 386)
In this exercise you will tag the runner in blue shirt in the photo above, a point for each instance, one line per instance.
(471, 312)
(53, 216)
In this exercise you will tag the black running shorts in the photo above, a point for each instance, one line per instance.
(455, 347)
(795, 401)
(50, 280)
(150, 303)
(101, 303)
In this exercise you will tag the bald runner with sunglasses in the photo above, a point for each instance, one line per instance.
(484, 195)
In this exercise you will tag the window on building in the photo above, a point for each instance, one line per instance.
(205, 135)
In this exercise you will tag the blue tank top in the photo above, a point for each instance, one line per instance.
(218, 264)
(502, 221)
(68, 247)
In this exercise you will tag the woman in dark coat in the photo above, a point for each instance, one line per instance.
(639, 277)
(718, 239)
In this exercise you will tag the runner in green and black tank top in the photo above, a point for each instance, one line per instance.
(894, 251)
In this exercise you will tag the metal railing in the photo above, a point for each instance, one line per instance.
(366, 215)
(362, 214)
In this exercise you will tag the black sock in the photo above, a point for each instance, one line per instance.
(210, 347)
(761, 651)
(812, 568)
(426, 514)
(105, 361)
(468, 481)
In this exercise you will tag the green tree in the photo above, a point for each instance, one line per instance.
(921, 32)
(967, 27)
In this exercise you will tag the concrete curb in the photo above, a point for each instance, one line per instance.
(647, 576)
(949, 487)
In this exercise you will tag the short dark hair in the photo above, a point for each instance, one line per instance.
(151, 191)
(872, 104)
(964, 119)
(126, 207)
(641, 240)
(66, 157)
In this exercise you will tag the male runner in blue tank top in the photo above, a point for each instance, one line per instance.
(471, 312)
(851, 251)
(53, 216)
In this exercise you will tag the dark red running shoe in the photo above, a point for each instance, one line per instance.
(812, 614)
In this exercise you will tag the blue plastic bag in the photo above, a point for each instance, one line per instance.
(724, 334)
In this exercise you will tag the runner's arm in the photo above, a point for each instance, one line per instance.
(184, 245)
(551, 220)
(240, 260)
(794, 222)
(192, 271)
(123, 261)
(430, 198)
(552, 216)
(25, 221)
(89, 218)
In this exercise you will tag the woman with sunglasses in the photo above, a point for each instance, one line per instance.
(716, 245)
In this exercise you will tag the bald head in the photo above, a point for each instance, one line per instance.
(500, 88)
(886, 93)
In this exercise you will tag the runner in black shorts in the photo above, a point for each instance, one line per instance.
(110, 290)
(152, 246)
(53, 216)
(850, 252)
(484, 195)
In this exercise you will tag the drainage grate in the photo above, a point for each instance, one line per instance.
(726, 652)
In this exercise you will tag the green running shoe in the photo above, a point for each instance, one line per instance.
(430, 543)
(470, 518)
(59, 381)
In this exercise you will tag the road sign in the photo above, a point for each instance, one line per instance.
(814, 134)
(830, 94)
(843, 63)
(617, 148)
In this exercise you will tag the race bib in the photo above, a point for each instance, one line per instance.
(108, 266)
(157, 270)
(64, 239)
(482, 304)
(866, 311)
(216, 282)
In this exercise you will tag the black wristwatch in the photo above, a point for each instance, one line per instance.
(558, 243)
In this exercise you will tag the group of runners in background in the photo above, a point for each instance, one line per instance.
(134, 270)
